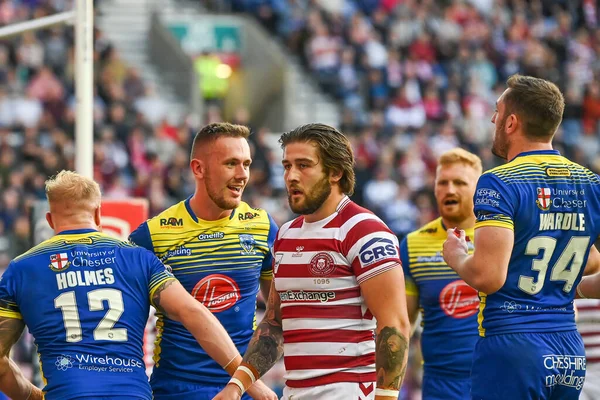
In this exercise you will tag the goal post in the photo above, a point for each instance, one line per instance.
(83, 18)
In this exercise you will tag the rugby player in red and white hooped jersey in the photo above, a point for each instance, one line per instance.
(338, 280)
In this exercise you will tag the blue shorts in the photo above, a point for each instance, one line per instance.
(181, 391)
(528, 366)
(444, 388)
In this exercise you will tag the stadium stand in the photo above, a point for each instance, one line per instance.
(415, 78)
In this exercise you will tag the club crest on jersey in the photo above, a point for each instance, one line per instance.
(59, 262)
(247, 242)
(544, 199)
(322, 264)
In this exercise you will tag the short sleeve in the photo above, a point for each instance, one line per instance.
(266, 271)
(410, 285)
(141, 237)
(494, 203)
(8, 294)
(159, 273)
(373, 248)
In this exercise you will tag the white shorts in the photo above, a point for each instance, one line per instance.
(333, 391)
(591, 386)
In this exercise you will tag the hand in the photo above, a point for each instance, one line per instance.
(229, 392)
(260, 391)
(455, 247)
(36, 394)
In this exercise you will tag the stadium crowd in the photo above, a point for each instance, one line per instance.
(415, 78)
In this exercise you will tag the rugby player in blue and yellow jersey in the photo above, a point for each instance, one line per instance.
(449, 306)
(85, 298)
(219, 249)
(538, 217)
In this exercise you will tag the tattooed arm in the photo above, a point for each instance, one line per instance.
(266, 345)
(385, 297)
(264, 350)
(172, 300)
(12, 381)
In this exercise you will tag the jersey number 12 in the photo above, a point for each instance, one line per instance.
(105, 329)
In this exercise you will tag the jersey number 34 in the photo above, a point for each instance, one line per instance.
(573, 254)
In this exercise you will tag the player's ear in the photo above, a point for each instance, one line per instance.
(512, 123)
(198, 167)
(335, 176)
(97, 216)
(49, 219)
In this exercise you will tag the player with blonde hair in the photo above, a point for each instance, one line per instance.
(85, 298)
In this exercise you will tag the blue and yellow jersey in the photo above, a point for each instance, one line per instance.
(85, 298)
(448, 305)
(219, 263)
(553, 206)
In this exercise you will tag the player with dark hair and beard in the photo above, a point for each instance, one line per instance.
(337, 281)
(219, 249)
(537, 218)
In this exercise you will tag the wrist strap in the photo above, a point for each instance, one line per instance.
(239, 384)
(579, 291)
(232, 365)
(387, 392)
(245, 375)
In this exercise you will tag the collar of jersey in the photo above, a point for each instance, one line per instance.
(202, 221)
(77, 231)
(538, 152)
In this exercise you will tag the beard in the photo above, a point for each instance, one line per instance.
(218, 197)
(314, 199)
(500, 145)
(457, 216)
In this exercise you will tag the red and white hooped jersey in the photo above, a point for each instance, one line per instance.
(588, 324)
(318, 267)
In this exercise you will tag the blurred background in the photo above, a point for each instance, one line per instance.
(404, 79)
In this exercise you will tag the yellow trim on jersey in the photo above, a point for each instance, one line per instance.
(267, 275)
(155, 286)
(10, 314)
(424, 248)
(41, 369)
(482, 301)
(160, 325)
(536, 166)
(62, 243)
(411, 288)
(500, 223)
(214, 243)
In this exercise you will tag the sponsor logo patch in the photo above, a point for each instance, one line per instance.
(459, 300)
(377, 249)
(558, 172)
(217, 292)
(171, 222)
